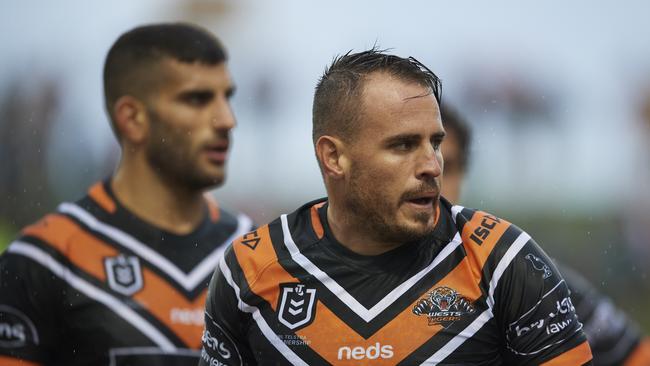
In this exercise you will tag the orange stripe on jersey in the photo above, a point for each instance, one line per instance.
(8, 361)
(315, 220)
(641, 354)
(480, 235)
(182, 316)
(99, 195)
(81, 248)
(88, 253)
(213, 207)
(578, 355)
(255, 255)
(328, 333)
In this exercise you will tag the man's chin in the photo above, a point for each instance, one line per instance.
(416, 228)
(204, 182)
(213, 176)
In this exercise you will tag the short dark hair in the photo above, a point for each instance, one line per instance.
(453, 121)
(337, 97)
(129, 62)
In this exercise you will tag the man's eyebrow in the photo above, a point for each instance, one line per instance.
(403, 137)
(195, 91)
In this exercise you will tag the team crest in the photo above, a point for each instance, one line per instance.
(443, 306)
(539, 265)
(124, 274)
(296, 306)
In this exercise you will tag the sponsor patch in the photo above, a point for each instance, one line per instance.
(443, 306)
(187, 316)
(251, 239)
(559, 316)
(373, 352)
(218, 348)
(539, 265)
(16, 329)
(296, 305)
(124, 274)
(294, 339)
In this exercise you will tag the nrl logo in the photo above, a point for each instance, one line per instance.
(296, 305)
(124, 274)
(443, 306)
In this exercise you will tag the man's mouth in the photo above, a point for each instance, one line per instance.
(425, 199)
(217, 152)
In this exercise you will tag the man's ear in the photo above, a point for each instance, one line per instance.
(331, 156)
(131, 120)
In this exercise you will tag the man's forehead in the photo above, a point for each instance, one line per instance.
(416, 116)
(389, 88)
(193, 73)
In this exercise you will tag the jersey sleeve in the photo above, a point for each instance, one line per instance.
(224, 338)
(613, 337)
(535, 311)
(30, 299)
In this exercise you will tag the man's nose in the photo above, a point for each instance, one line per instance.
(223, 117)
(429, 164)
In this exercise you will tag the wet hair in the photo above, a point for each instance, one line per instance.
(337, 99)
(130, 67)
(453, 121)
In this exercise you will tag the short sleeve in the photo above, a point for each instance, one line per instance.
(224, 338)
(30, 298)
(535, 311)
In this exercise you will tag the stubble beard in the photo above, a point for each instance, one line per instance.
(377, 214)
(169, 154)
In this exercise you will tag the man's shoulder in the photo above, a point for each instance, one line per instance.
(55, 232)
(481, 228)
(262, 249)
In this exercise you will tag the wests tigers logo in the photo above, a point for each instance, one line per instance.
(443, 305)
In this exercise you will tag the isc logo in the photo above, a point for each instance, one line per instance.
(371, 353)
(482, 232)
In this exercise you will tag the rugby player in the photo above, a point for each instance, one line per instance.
(120, 276)
(384, 270)
(613, 337)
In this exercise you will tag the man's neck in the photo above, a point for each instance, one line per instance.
(152, 199)
(354, 233)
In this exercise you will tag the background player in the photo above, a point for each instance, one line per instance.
(613, 338)
(120, 276)
(384, 270)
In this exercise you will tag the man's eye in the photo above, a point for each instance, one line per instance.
(403, 146)
(436, 143)
(198, 99)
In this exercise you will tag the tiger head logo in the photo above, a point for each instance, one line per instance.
(443, 298)
(443, 305)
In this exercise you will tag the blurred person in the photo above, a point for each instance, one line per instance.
(120, 277)
(613, 337)
(383, 269)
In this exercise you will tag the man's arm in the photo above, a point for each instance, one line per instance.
(29, 303)
(224, 338)
(536, 313)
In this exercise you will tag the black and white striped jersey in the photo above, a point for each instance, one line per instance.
(477, 291)
(92, 284)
